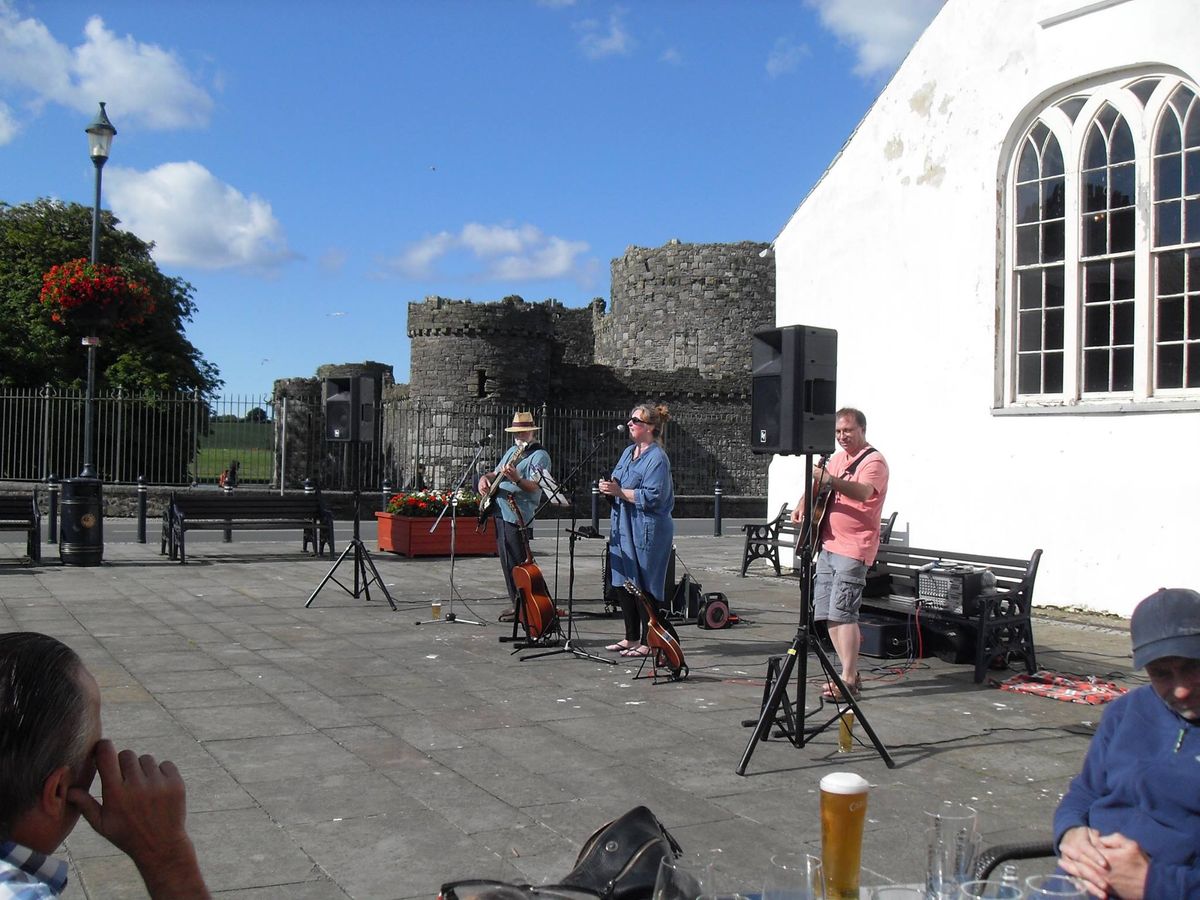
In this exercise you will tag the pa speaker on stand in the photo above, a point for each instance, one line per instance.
(794, 390)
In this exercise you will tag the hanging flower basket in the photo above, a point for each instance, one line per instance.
(91, 298)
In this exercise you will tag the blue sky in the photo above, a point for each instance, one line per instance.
(311, 167)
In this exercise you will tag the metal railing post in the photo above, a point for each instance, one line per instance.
(227, 535)
(141, 509)
(387, 493)
(52, 524)
(595, 506)
(716, 509)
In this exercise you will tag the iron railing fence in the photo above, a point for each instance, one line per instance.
(177, 439)
(174, 438)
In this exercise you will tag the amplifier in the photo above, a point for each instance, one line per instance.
(950, 588)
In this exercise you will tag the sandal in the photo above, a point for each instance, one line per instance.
(643, 650)
(621, 645)
(833, 692)
(508, 615)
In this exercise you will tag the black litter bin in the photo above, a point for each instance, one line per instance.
(81, 527)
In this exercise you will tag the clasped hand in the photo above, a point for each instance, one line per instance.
(610, 487)
(1106, 864)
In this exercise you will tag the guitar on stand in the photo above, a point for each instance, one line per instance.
(536, 612)
(665, 651)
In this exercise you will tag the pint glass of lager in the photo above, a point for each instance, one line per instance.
(843, 813)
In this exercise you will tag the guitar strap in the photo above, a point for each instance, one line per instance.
(854, 465)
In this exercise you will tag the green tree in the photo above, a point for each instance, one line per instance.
(153, 356)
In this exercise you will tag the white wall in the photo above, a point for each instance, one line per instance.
(898, 248)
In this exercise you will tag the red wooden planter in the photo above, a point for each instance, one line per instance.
(409, 536)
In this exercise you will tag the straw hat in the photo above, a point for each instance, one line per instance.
(522, 421)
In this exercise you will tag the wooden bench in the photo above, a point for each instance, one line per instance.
(19, 512)
(764, 540)
(998, 619)
(255, 511)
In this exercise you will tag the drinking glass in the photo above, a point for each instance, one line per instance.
(1054, 887)
(680, 879)
(988, 890)
(953, 845)
(897, 892)
(794, 876)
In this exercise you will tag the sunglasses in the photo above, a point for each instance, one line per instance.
(634, 420)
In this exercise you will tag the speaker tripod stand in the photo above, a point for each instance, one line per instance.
(362, 558)
(790, 722)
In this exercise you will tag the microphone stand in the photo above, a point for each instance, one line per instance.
(574, 534)
(451, 617)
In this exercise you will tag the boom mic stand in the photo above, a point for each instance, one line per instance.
(452, 617)
(791, 722)
(362, 558)
(569, 645)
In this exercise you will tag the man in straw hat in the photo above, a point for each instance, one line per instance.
(1129, 825)
(517, 475)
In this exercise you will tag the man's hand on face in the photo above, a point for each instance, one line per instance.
(143, 814)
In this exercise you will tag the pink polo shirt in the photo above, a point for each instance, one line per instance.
(852, 528)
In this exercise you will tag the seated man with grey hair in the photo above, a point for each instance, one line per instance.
(50, 750)
(1129, 825)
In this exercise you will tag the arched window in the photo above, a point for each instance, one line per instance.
(1102, 299)
(1177, 243)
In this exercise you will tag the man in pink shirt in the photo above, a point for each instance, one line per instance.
(857, 479)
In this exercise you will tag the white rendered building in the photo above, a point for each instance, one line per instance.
(1009, 248)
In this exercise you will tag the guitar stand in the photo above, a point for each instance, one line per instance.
(652, 658)
(791, 723)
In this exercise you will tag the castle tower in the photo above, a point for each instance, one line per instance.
(687, 306)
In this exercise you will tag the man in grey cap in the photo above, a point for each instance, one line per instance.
(1129, 825)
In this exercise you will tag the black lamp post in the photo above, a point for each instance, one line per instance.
(81, 537)
(100, 134)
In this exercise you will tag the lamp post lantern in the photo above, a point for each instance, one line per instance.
(81, 537)
(100, 134)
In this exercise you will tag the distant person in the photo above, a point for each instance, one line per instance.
(641, 530)
(1129, 825)
(848, 540)
(516, 476)
(50, 750)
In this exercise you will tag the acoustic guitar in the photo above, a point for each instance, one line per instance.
(536, 612)
(486, 501)
(662, 643)
(810, 534)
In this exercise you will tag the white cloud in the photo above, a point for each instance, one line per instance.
(785, 57)
(194, 219)
(140, 82)
(597, 43)
(8, 125)
(497, 252)
(881, 31)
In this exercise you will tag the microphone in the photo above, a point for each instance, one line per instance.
(621, 429)
(485, 440)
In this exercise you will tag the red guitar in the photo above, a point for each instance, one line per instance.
(536, 612)
(662, 643)
(810, 534)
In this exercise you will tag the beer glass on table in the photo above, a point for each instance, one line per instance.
(953, 845)
(988, 890)
(1054, 887)
(794, 876)
(843, 814)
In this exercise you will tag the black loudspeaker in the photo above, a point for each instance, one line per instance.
(350, 409)
(794, 390)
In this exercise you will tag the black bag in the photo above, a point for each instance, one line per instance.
(620, 861)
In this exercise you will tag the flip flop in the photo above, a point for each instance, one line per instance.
(619, 646)
(833, 692)
(636, 651)
(508, 615)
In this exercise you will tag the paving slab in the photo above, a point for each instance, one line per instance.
(341, 750)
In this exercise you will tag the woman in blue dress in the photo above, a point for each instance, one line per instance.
(641, 532)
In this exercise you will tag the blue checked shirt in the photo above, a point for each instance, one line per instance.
(27, 875)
